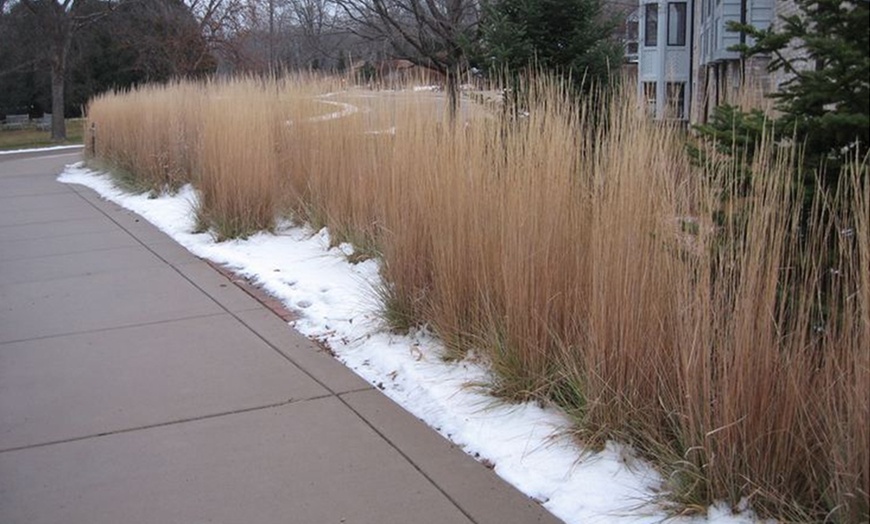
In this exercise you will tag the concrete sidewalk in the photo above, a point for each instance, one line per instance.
(138, 384)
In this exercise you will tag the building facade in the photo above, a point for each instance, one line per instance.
(685, 63)
(665, 57)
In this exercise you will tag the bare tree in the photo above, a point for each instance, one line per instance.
(224, 24)
(317, 28)
(293, 34)
(312, 18)
(163, 36)
(59, 21)
(431, 33)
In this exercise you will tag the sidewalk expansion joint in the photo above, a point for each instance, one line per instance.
(407, 458)
(163, 424)
(72, 252)
(109, 329)
(43, 222)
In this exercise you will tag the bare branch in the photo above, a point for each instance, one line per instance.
(425, 31)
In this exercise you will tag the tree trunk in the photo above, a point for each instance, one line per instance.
(452, 94)
(58, 73)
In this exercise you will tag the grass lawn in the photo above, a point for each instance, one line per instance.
(32, 137)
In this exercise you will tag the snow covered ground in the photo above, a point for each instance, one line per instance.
(524, 443)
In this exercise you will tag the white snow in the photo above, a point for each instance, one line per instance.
(346, 110)
(40, 149)
(526, 443)
(389, 131)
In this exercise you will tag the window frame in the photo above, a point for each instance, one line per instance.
(677, 39)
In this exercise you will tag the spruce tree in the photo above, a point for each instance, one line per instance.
(823, 51)
(570, 37)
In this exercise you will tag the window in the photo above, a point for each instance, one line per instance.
(677, 23)
(631, 37)
(651, 25)
(631, 28)
(676, 100)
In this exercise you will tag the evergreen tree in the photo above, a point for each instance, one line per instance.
(571, 37)
(127, 43)
(824, 51)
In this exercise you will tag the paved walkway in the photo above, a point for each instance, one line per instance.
(138, 384)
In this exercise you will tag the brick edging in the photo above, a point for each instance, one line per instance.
(256, 292)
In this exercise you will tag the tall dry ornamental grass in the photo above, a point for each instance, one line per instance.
(236, 165)
(722, 330)
(150, 136)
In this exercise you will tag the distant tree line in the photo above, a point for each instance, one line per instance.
(53, 57)
(56, 54)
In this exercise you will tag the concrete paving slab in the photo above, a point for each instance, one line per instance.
(169, 251)
(481, 494)
(105, 300)
(41, 216)
(137, 227)
(217, 286)
(307, 462)
(27, 185)
(305, 353)
(40, 201)
(56, 228)
(126, 219)
(27, 248)
(37, 164)
(44, 269)
(78, 385)
(140, 228)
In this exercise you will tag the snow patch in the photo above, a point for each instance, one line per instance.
(41, 149)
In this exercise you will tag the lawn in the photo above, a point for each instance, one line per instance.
(32, 137)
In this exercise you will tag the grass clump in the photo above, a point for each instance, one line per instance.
(713, 321)
(150, 132)
(236, 165)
